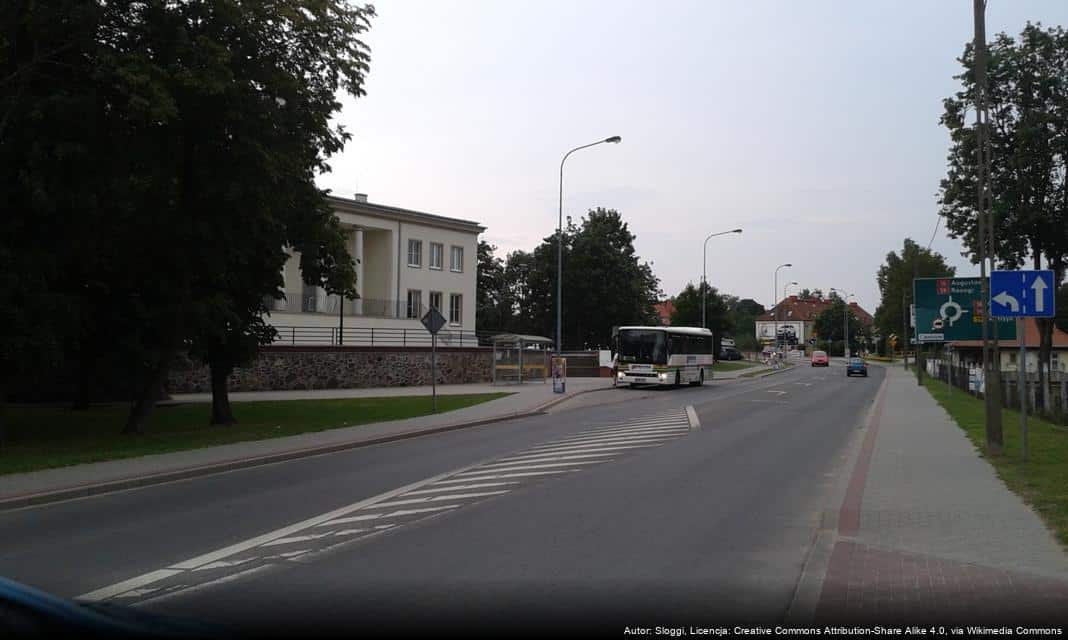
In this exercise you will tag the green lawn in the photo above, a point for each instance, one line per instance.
(735, 365)
(46, 437)
(1042, 481)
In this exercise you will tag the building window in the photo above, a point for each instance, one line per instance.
(456, 262)
(456, 308)
(415, 253)
(1012, 358)
(1054, 361)
(415, 303)
(437, 254)
(435, 300)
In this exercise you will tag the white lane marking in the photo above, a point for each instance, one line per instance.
(160, 574)
(463, 488)
(528, 467)
(349, 532)
(408, 512)
(691, 416)
(145, 579)
(617, 432)
(806, 384)
(126, 585)
(369, 516)
(673, 428)
(429, 499)
(223, 563)
(294, 554)
(637, 425)
(139, 592)
(304, 538)
(183, 589)
(781, 393)
(511, 475)
(593, 448)
(551, 456)
(613, 440)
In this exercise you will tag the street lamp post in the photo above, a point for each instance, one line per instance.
(845, 321)
(774, 293)
(560, 245)
(784, 288)
(704, 269)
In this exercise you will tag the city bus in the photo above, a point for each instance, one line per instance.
(661, 355)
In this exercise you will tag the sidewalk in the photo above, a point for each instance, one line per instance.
(928, 533)
(62, 483)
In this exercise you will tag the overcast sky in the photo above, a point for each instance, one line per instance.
(812, 125)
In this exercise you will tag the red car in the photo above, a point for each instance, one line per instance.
(819, 359)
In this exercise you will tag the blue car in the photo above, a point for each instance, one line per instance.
(857, 366)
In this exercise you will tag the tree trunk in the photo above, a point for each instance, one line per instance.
(221, 412)
(85, 374)
(149, 394)
(3, 405)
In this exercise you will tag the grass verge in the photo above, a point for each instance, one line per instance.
(48, 437)
(1042, 481)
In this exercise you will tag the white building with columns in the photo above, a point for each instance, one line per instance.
(407, 261)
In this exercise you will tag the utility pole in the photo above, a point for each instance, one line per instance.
(905, 329)
(921, 363)
(991, 365)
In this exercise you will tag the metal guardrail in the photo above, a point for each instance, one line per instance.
(377, 337)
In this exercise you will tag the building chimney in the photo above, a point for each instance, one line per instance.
(360, 197)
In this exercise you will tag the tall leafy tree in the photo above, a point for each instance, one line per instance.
(1029, 156)
(895, 283)
(185, 142)
(493, 302)
(744, 313)
(606, 284)
(717, 308)
(830, 327)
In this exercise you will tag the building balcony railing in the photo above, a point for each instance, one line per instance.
(378, 337)
(297, 302)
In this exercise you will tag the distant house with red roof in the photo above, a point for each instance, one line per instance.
(795, 319)
(970, 351)
(664, 310)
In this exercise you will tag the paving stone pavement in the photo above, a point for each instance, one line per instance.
(940, 538)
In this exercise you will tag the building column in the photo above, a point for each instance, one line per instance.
(358, 255)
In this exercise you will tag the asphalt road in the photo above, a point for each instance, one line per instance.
(614, 515)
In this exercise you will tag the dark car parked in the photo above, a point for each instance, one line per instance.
(729, 353)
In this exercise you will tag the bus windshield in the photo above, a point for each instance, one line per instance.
(643, 346)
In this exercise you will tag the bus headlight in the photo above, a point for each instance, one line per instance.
(663, 376)
(619, 375)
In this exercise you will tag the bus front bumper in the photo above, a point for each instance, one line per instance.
(627, 377)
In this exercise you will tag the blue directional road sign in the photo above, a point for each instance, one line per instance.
(1021, 294)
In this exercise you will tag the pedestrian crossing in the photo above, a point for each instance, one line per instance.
(432, 497)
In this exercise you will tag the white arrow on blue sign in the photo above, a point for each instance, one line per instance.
(1022, 294)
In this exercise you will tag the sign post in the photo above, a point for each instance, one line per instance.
(952, 310)
(1022, 294)
(433, 321)
(559, 374)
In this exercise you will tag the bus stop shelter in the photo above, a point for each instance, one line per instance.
(518, 358)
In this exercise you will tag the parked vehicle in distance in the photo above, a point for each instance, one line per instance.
(729, 353)
(820, 359)
(857, 366)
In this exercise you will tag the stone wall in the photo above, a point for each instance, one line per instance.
(285, 368)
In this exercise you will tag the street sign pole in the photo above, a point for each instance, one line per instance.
(1021, 295)
(433, 321)
(1021, 376)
